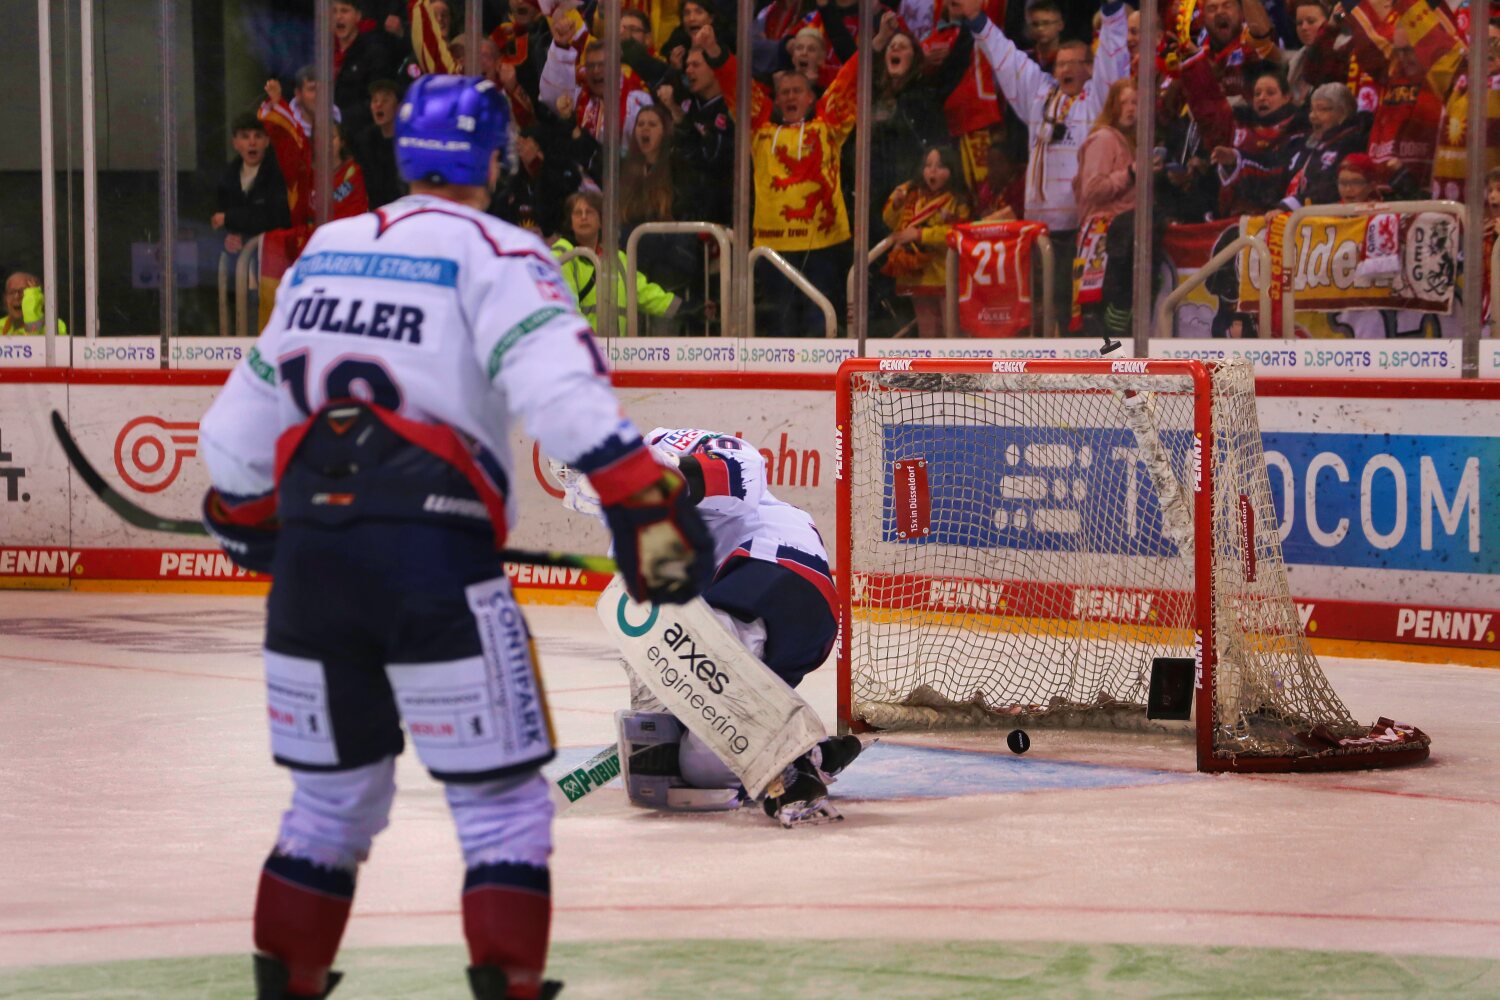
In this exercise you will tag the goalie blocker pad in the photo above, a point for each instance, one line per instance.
(641, 736)
(713, 685)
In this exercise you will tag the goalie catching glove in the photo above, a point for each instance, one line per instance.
(662, 550)
(244, 527)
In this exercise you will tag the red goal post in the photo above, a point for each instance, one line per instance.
(1053, 542)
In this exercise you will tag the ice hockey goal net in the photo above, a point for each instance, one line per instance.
(1027, 542)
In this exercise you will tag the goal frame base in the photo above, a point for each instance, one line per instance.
(1401, 753)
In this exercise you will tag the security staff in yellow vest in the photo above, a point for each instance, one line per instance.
(23, 306)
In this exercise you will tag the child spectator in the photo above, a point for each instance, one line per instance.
(349, 195)
(584, 212)
(1001, 196)
(920, 212)
(1044, 28)
(251, 194)
(1358, 179)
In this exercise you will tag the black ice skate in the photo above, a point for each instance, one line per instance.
(800, 797)
(834, 754)
(489, 982)
(272, 978)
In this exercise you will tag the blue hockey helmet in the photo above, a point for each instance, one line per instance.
(447, 128)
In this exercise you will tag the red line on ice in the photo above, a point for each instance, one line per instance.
(53, 662)
(982, 908)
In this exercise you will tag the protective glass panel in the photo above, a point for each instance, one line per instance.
(21, 252)
(1327, 141)
(128, 69)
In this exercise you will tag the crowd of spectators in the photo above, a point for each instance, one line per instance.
(981, 110)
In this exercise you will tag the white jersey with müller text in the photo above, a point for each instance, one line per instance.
(433, 310)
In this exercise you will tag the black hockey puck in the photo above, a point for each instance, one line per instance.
(1018, 741)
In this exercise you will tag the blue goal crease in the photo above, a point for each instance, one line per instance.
(896, 771)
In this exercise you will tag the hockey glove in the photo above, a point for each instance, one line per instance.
(245, 527)
(662, 549)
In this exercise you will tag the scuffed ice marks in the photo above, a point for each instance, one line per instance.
(224, 632)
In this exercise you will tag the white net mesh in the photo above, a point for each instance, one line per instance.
(1022, 546)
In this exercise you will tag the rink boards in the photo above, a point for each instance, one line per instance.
(1387, 490)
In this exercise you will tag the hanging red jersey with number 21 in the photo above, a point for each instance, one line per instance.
(994, 277)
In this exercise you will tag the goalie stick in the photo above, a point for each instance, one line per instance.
(590, 776)
(133, 513)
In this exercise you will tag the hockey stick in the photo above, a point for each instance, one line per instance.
(133, 513)
(590, 776)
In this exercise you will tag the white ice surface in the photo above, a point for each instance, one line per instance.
(137, 801)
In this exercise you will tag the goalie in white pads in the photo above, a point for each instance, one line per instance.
(772, 592)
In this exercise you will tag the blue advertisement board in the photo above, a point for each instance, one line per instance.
(1402, 502)
(1033, 487)
(1406, 502)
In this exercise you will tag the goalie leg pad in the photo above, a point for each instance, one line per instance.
(701, 767)
(641, 698)
(651, 744)
(648, 756)
(729, 699)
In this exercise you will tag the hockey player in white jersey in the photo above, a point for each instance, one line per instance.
(360, 454)
(772, 590)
